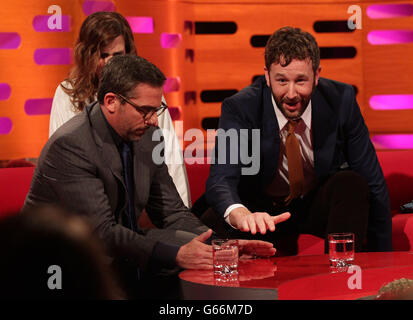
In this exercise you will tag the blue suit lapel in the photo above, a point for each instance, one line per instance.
(270, 140)
(324, 131)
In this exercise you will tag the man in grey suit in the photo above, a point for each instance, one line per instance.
(100, 163)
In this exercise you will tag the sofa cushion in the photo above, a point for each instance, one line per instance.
(14, 185)
(398, 172)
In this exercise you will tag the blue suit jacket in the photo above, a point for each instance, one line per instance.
(339, 136)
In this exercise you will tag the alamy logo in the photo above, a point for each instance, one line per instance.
(55, 20)
(231, 147)
(55, 280)
(354, 21)
(354, 282)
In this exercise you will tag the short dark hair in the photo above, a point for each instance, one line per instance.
(123, 73)
(290, 43)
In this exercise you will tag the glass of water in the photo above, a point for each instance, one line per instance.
(341, 249)
(225, 256)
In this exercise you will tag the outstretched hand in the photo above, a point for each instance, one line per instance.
(244, 220)
(256, 248)
(196, 254)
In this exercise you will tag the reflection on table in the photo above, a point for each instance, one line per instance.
(310, 277)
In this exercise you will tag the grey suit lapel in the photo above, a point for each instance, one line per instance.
(109, 159)
(104, 141)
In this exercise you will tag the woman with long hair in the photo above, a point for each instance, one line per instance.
(102, 36)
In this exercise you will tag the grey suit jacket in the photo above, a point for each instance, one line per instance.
(80, 168)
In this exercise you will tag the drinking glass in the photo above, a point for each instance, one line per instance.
(225, 256)
(341, 249)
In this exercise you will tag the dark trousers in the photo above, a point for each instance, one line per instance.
(338, 204)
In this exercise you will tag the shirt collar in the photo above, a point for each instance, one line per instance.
(282, 120)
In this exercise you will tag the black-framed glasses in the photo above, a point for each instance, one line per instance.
(146, 111)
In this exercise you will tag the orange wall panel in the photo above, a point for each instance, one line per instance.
(221, 61)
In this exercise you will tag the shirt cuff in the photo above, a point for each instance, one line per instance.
(229, 209)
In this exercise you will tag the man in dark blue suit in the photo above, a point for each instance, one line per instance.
(316, 160)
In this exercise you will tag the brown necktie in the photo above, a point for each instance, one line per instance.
(295, 163)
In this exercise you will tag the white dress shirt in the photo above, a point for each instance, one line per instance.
(304, 136)
(63, 110)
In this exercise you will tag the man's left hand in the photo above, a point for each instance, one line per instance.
(256, 248)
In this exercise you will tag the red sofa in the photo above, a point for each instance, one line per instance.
(397, 168)
(14, 185)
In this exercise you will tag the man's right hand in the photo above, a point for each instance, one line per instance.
(196, 254)
(244, 220)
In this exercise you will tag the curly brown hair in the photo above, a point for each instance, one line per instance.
(97, 31)
(289, 43)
